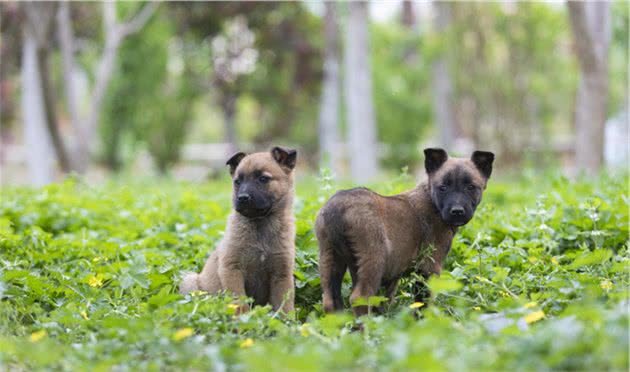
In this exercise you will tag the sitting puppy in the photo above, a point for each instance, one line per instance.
(378, 237)
(256, 256)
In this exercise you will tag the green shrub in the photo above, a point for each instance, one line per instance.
(89, 275)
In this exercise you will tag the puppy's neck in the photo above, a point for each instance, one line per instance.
(422, 204)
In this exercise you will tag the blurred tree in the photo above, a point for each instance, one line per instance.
(149, 101)
(402, 93)
(358, 90)
(114, 33)
(233, 58)
(38, 28)
(329, 104)
(513, 75)
(443, 104)
(591, 27)
(10, 54)
(618, 58)
(287, 72)
(36, 138)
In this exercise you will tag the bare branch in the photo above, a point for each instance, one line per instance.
(137, 22)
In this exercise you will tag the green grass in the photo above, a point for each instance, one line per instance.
(89, 276)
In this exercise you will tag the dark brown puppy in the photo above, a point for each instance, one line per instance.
(257, 253)
(378, 237)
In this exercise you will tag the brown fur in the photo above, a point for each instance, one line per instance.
(256, 256)
(378, 237)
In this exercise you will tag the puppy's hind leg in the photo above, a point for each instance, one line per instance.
(331, 270)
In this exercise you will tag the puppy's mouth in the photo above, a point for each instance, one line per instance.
(455, 222)
(458, 223)
(252, 212)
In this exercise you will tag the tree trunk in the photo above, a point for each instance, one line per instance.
(358, 91)
(228, 103)
(443, 103)
(69, 68)
(39, 154)
(329, 109)
(49, 109)
(408, 17)
(590, 22)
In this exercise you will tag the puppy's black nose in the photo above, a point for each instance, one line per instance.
(243, 198)
(457, 211)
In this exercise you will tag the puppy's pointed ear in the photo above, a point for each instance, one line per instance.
(235, 160)
(285, 157)
(434, 158)
(483, 161)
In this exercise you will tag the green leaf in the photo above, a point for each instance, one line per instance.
(595, 257)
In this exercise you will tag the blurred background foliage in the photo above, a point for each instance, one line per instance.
(249, 74)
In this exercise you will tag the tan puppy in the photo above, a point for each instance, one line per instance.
(378, 237)
(256, 256)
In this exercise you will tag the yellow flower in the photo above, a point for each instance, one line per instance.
(416, 305)
(232, 306)
(554, 261)
(84, 315)
(534, 317)
(182, 334)
(476, 308)
(95, 281)
(529, 305)
(606, 285)
(36, 336)
(247, 343)
(304, 330)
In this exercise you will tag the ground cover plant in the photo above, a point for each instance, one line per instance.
(89, 275)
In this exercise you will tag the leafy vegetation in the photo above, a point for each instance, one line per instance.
(89, 275)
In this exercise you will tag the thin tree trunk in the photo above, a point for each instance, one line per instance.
(358, 91)
(39, 154)
(408, 17)
(229, 124)
(329, 110)
(443, 103)
(66, 45)
(590, 22)
(50, 111)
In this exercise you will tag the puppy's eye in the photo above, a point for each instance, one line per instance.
(237, 182)
(442, 188)
(471, 187)
(264, 179)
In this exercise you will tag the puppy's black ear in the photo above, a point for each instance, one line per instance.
(483, 161)
(235, 160)
(433, 159)
(285, 157)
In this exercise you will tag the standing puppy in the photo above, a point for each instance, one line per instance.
(256, 256)
(378, 237)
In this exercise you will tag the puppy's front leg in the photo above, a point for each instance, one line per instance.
(232, 280)
(282, 290)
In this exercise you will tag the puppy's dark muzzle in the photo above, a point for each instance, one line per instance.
(246, 205)
(456, 216)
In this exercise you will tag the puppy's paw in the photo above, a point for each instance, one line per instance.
(189, 283)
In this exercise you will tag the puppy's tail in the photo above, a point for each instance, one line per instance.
(189, 283)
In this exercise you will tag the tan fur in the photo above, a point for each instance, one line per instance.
(382, 236)
(256, 256)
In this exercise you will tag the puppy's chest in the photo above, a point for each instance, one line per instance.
(258, 258)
